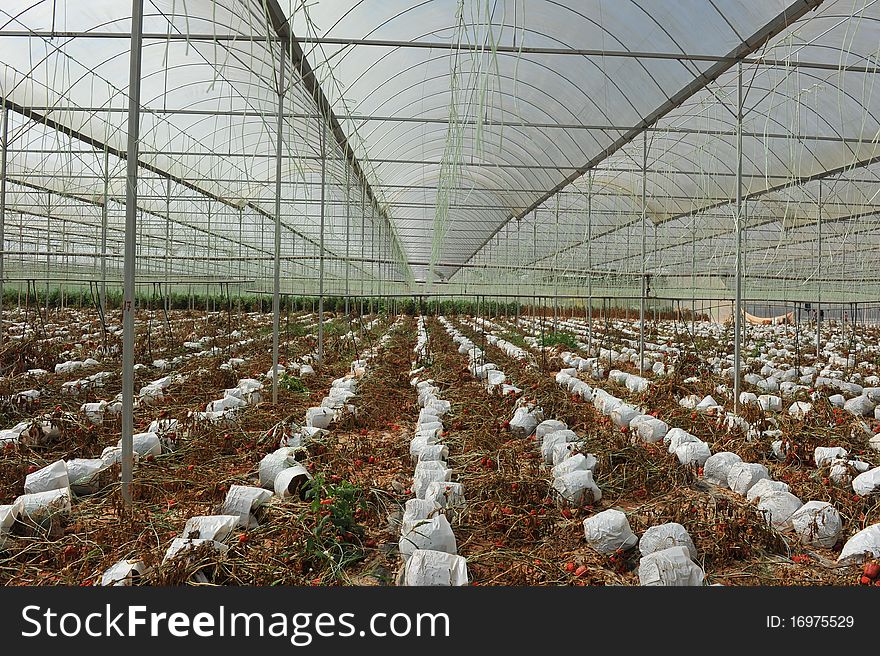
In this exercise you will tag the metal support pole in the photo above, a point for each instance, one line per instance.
(644, 240)
(363, 245)
(104, 211)
(347, 236)
(4, 145)
(819, 272)
(128, 293)
(167, 245)
(590, 262)
(276, 288)
(321, 254)
(738, 310)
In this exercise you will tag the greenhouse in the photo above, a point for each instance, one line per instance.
(450, 292)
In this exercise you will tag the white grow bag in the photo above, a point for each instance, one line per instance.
(817, 523)
(434, 534)
(609, 531)
(670, 567)
(435, 568)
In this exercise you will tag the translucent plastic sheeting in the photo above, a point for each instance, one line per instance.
(499, 144)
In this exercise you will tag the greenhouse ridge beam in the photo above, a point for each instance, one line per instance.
(759, 38)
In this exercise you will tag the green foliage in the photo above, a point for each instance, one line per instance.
(333, 532)
(292, 383)
(559, 339)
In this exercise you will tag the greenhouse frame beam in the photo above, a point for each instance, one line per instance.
(513, 122)
(4, 144)
(443, 45)
(748, 46)
(724, 232)
(276, 262)
(738, 303)
(96, 203)
(300, 63)
(99, 146)
(129, 267)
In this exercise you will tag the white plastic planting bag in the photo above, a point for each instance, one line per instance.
(242, 501)
(865, 543)
(434, 452)
(623, 414)
(51, 477)
(145, 444)
(112, 454)
(549, 426)
(577, 462)
(427, 415)
(867, 482)
(420, 442)
(823, 455)
(179, 547)
(564, 450)
(583, 390)
(290, 480)
(424, 477)
(417, 510)
(778, 506)
(841, 470)
(663, 536)
(8, 515)
(743, 475)
(438, 406)
(766, 486)
(800, 409)
(42, 505)
(434, 534)
(320, 417)
(861, 406)
(94, 412)
(435, 568)
(431, 427)
(550, 440)
(609, 531)
(717, 466)
(577, 487)
(817, 523)
(676, 437)
(670, 567)
(123, 573)
(82, 474)
(210, 527)
(445, 494)
(649, 429)
(636, 384)
(525, 421)
(273, 464)
(693, 453)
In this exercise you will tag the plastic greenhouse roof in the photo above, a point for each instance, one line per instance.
(501, 145)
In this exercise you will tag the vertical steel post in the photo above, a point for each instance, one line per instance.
(4, 145)
(347, 235)
(737, 319)
(590, 261)
(321, 253)
(276, 285)
(128, 293)
(167, 244)
(104, 211)
(644, 238)
(819, 271)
